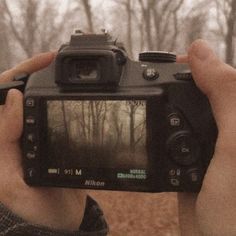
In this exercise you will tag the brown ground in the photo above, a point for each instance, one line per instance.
(139, 214)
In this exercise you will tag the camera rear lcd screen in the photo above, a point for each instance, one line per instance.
(99, 134)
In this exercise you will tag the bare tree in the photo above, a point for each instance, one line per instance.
(25, 35)
(166, 23)
(231, 24)
(195, 25)
(88, 12)
(5, 52)
(65, 123)
(118, 126)
(227, 26)
(136, 130)
(146, 16)
(40, 25)
(129, 30)
(161, 23)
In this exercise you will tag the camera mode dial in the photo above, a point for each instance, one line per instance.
(157, 57)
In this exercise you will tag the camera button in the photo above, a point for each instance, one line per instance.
(184, 149)
(150, 73)
(174, 182)
(31, 172)
(184, 76)
(31, 155)
(175, 121)
(194, 176)
(30, 120)
(30, 102)
(182, 152)
(174, 172)
(31, 138)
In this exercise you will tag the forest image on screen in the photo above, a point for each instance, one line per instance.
(100, 134)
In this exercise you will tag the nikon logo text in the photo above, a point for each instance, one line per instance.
(94, 183)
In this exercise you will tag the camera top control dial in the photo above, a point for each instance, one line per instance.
(157, 57)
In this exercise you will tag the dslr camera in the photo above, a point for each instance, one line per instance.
(95, 119)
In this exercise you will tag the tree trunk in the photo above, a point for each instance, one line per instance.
(146, 13)
(231, 24)
(129, 28)
(88, 12)
(67, 137)
(132, 129)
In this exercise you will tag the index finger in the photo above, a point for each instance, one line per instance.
(182, 58)
(29, 66)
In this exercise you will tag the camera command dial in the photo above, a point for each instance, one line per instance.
(157, 56)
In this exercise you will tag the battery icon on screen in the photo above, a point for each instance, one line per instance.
(53, 171)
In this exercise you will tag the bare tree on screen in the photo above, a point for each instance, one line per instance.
(136, 128)
(98, 110)
(65, 122)
(84, 125)
(116, 124)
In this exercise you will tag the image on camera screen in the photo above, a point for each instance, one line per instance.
(99, 134)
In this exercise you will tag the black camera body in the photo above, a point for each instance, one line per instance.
(96, 119)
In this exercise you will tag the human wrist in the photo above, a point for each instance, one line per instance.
(187, 214)
(60, 209)
(225, 144)
(12, 224)
(93, 223)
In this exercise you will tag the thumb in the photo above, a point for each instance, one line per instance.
(11, 120)
(217, 80)
(216, 200)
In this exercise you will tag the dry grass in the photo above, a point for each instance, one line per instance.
(139, 214)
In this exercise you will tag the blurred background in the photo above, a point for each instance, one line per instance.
(28, 27)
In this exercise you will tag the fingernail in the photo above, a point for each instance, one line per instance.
(201, 50)
(10, 99)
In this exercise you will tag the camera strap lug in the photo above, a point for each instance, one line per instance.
(18, 82)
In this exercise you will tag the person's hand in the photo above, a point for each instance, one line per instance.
(51, 207)
(215, 206)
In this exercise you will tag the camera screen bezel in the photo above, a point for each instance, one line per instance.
(111, 183)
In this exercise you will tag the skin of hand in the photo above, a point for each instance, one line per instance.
(57, 208)
(213, 210)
